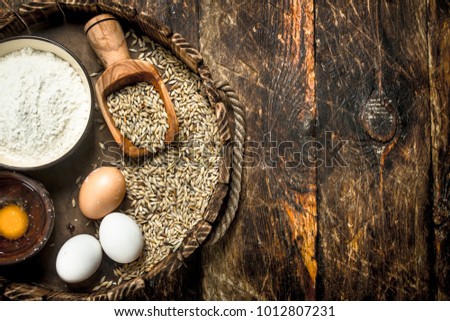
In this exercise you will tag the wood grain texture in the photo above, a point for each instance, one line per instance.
(374, 217)
(439, 53)
(265, 50)
(180, 16)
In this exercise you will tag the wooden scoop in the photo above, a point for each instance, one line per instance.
(106, 37)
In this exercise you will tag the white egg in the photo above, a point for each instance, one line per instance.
(121, 238)
(78, 258)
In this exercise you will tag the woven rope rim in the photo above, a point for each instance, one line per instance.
(236, 171)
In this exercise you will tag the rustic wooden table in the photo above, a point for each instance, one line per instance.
(346, 188)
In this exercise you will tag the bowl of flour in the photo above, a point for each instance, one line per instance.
(46, 103)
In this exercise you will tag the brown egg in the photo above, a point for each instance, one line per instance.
(101, 192)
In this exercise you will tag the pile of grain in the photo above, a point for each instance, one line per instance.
(170, 190)
(138, 112)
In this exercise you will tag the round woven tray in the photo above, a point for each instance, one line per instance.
(34, 18)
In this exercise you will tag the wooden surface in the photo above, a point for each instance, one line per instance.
(373, 210)
(439, 70)
(266, 52)
(363, 86)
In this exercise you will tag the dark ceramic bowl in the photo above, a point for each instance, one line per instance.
(17, 43)
(35, 200)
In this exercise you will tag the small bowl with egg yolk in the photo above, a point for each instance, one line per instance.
(27, 217)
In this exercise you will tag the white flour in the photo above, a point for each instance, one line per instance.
(44, 107)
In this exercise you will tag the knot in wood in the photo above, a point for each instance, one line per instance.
(379, 119)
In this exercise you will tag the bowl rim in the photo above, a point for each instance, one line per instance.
(49, 209)
(91, 110)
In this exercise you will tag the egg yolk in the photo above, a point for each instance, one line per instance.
(13, 222)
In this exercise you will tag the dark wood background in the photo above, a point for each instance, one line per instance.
(368, 79)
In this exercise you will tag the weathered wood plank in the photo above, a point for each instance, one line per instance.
(180, 16)
(265, 50)
(373, 93)
(439, 53)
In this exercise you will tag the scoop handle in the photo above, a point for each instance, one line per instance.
(105, 35)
